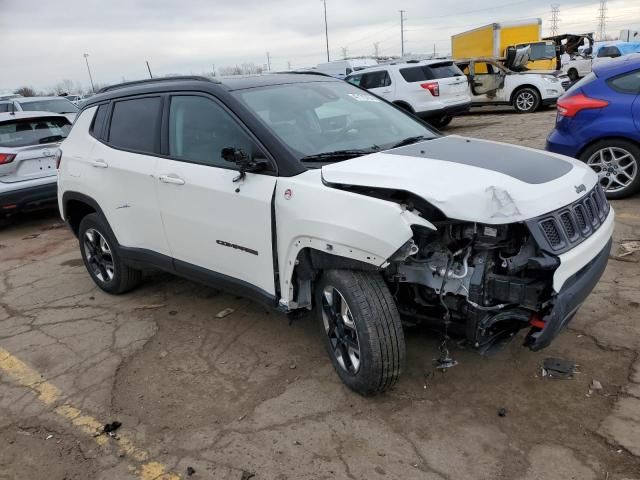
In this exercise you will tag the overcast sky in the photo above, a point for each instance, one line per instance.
(42, 42)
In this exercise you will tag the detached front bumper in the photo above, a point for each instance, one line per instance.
(568, 300)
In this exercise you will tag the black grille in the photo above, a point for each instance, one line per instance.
(570, 225)
(567, 224)
(551, 231)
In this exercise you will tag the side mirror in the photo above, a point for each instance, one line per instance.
(243, 161)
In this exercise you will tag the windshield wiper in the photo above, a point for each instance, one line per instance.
(410, 140)
(338, 155)
(52, 138)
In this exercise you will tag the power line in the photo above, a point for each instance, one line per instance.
(555, 19)
(602, 20)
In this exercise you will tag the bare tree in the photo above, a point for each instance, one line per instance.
(65, 86)
(26, 91)
(243, 69)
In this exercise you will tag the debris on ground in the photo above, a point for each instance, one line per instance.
(502, 412)
(151, 306)
(296, 442)
(247, 475)
(173, 312)
(629, 247)
(225, 312)
(32, 236)
(54, 226)
(49, 437)
(190, 471)
(595, 385)
(110, 428)
(558, 368)
(293, 366)
(163, 354)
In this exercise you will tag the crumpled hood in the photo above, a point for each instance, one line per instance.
(472, 180)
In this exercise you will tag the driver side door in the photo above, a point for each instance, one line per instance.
(218, 227)
(486, 81)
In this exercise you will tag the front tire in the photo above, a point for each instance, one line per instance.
(361, 328)
(526, 100)
(100, 255)
(573, 75)
(617, 163)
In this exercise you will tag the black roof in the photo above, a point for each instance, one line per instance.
(236, 82)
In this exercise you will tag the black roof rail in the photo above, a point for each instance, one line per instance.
(305, 72)
(117, 86)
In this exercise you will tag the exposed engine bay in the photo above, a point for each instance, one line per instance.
(484, 281)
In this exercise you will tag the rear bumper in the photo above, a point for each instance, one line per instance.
(567, 302)
(448, 111)
(33, 196)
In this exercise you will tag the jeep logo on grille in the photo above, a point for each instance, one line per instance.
(580, 188)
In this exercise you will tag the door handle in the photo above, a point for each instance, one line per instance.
(99, 163)
(173, 179)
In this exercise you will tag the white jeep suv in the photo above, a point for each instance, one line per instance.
(434, 90)
(304, 192)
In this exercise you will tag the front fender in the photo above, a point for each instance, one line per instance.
(312, 215)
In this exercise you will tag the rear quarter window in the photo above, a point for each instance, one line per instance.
(135, 125)
(430, 72)
(99, 120)
(626, 83)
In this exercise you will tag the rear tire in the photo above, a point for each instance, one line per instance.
(617, 163)
(526, 100)
(99, 251)
(440, 122)
(361, 328)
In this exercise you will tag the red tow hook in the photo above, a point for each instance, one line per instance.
(536, 321)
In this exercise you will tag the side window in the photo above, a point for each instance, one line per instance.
(135, 124)
(355, 80)
(199, 129)
(609, 52)
(99, 118)
(626, 83)
(376, 79)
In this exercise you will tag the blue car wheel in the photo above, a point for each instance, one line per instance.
(617, 163)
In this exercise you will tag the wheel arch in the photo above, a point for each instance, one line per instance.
(605, 138)
(404, 105)
(76, 206)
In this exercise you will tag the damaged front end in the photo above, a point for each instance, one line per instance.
(487, 282)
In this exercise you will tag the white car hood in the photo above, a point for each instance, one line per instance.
(472, 180)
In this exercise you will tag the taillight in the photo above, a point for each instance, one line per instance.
(58, 158)
(570, 106)
(6, 158)
(433, 87)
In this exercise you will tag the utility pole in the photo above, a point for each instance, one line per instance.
(86, 59)
(344, 53)
(402, 12)
(149, 68)
(268, 62)
(555, 19)
(602, 20)
(326, 29)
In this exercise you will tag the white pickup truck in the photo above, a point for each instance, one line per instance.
(580, 65)
(491, 83)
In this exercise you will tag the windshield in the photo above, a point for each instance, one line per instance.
(58, 105)
(33, 131)
(319, 117)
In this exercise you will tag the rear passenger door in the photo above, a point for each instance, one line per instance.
(218, 226)
(120, 169)
(379, 83)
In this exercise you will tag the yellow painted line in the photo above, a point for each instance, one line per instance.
(50, 394)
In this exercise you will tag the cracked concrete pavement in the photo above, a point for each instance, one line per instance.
(250, 394)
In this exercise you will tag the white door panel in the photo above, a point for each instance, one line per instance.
(124, 186)
(209, 224)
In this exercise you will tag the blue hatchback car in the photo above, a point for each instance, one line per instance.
(598, 122)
